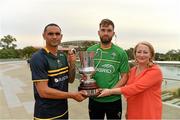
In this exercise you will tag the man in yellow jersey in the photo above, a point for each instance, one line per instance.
(51, 73)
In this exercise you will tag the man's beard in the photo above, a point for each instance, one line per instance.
(106, 41)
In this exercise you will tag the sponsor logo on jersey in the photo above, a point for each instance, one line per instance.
(60, 79)
(106, 68)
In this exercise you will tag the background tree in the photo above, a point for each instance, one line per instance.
(28, 51)
(86, 44)
(7, 42)
(159, 57)
(8, 53)
(130, 53)
(173, 55)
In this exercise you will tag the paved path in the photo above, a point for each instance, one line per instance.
(16, 97)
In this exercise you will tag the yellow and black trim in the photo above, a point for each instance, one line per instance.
(52, 71)
(35, 118)
(46, 50)
(60, 71)
(40, 80)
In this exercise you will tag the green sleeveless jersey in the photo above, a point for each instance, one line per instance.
(109, 64)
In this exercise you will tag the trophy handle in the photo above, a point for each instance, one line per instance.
(99, 59)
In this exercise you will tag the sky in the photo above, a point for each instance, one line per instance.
(155, 21)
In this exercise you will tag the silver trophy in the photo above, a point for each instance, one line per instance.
(87, 70)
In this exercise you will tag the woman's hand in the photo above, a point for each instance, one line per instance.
(108, 92)
(105, 92)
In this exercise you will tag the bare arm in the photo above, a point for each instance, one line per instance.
(72, 73)
(108, 92)
(152, 77)
(116, 89)
(123, 81)
(47, 92)
(72, 70)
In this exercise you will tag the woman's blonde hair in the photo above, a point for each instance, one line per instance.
(151, 48)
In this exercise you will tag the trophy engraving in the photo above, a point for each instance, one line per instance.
(87, 69)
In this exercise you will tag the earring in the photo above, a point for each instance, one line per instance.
(150, 63)
(135, 62)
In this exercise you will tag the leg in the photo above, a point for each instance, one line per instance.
(114, 110)
(96, 110)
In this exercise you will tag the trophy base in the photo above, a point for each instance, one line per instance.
(90, 87)
(90, 93)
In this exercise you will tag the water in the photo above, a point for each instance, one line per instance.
(171, 76)
(171, 71)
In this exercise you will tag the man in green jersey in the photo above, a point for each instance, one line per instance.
(111, 64)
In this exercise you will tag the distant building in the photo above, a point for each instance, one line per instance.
(77, 44)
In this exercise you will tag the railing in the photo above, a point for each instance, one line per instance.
(171, 82)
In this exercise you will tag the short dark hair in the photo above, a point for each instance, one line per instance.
(51, 24)
(106, 22)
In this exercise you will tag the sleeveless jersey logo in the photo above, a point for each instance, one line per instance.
(59, 63)
(113, 55)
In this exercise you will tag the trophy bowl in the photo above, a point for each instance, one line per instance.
(87, 70)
